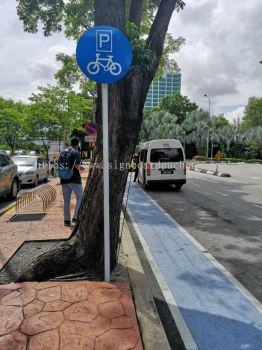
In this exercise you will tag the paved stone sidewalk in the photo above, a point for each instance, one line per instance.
(68, 316)
(51, 226)
(60, 315)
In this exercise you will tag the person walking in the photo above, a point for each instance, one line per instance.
(69, 164)
(136, 163)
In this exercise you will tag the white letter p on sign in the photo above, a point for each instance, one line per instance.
(104, 38)
(104, 41)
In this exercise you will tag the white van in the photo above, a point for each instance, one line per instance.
(162, 162)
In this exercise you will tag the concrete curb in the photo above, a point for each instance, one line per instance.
(7, 208)
(151, 328)
(209, 172)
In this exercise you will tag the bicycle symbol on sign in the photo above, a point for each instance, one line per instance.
(106, 63)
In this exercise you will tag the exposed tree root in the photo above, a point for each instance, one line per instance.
(66, 259)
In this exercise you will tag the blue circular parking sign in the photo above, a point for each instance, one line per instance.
(104, 54)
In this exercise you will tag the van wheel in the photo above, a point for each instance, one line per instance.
(146, 187)
(178, 187)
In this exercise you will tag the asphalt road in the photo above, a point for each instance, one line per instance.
(225, 216)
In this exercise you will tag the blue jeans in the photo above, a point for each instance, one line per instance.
(67, 191)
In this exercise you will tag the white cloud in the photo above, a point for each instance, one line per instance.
(222, 52)
(221, 56)
(27, 60)
(236, 114)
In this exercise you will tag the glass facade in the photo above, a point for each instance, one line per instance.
(169, 84)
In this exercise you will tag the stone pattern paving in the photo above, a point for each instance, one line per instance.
(68, 316)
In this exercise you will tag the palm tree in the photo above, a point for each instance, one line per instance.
(228, 134)
(255, 134)
(197, 126)
(158, 125)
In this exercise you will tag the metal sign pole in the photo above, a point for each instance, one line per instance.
(106, 183)
(95, 47)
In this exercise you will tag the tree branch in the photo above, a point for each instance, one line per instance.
(135, 14)
(156, 38)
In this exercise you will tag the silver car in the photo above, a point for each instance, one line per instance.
(31, 169)
(9, 181)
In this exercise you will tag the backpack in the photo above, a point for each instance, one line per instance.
(65, 165)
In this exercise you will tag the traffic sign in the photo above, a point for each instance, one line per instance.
(104, 54)
(90, 129)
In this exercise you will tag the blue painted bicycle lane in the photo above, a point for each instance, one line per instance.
(216, 313)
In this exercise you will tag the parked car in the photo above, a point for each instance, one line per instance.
(20, 152)
(162, 162)
(31, 169)
(9, 179)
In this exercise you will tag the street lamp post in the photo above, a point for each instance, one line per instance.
(208, 129)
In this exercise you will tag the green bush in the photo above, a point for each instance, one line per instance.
(233, 160)
(200, 158)
(239, 160)
(254, 161)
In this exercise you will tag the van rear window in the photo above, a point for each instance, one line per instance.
(166, 155)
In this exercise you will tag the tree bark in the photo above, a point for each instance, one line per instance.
(126, 101)
(135, 14)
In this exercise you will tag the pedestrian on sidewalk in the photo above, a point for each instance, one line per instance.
(70, 160)
(136, 163)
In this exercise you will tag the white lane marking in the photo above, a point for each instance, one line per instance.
(213, 181)
(252, 182)
(172, 304)
(206, 193)
(192, 183)
(205, 178)
(258, 206)
(231, 278)
(223, 194)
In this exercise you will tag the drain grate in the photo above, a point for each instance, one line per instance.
(27, 217)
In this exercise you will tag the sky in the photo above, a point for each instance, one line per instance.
(220, 58)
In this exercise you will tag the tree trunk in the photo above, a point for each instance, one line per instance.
(126, 100)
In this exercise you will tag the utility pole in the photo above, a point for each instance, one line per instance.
(208, 129)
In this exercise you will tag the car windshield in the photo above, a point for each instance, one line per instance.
(166, 155)
(24, 161)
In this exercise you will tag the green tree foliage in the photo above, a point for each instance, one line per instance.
(53, 113)
(172, 46)
(177, 105)
(158, 124)
(219, 122)
(76, 16)
(253, 114)
(196, 126)
(12, 128)
(228, 134)
(254, 138)
(58, 106)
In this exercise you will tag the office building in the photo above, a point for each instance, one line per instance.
(169, 84)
